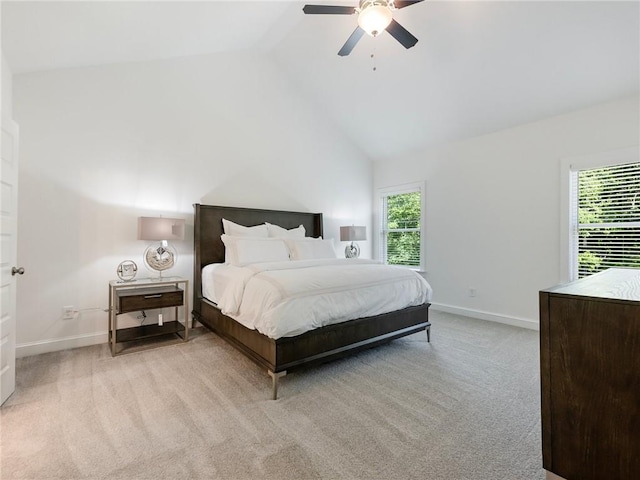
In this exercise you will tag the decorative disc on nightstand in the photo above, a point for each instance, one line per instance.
(127, 270)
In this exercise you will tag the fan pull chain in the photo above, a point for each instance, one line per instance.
(373, 59)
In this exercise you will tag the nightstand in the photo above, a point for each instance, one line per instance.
(144, 295)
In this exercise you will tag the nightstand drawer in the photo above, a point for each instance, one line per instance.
(149, 298)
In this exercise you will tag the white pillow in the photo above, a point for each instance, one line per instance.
(311, 248)
(237, 230)
(279, 232)
(245, 250)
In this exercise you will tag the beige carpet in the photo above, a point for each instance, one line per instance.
(465, 406)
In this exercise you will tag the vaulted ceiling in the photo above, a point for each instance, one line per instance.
(478, 67)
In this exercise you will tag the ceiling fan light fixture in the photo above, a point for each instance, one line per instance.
(375, 17)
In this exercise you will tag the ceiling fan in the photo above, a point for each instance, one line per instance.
(374, 16)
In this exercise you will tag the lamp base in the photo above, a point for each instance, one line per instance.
(352, 250)
(159, 257)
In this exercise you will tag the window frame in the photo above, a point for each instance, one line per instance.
(568, 217)
(381, 194)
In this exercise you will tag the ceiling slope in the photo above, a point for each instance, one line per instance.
(478, 66)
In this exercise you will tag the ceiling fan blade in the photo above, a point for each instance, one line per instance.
(328, 10)
(407, 3)
(351, 42)
(401, 34)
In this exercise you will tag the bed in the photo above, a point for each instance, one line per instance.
(285, 354)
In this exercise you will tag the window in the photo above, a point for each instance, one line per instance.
(605, 218)
(401, 226)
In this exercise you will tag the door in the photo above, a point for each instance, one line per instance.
(8, 252)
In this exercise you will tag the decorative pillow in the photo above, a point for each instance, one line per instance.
(244, 250)
(236, 230)
(311, 248)
(279, 232)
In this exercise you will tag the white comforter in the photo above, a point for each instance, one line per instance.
(284, 299)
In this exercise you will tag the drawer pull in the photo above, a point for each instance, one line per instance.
(153, 296)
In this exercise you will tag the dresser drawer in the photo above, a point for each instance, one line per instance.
(149, 298)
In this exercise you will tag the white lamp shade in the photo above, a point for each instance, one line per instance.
(160, 228)
(375, 19)
(353, 233)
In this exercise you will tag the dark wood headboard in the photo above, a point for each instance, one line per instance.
(208, 247)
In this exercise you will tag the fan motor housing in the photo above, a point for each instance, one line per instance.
(371, 3)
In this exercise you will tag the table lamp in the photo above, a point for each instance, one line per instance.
(352, 234)
(160, 256)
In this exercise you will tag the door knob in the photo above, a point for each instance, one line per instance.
(19, 271)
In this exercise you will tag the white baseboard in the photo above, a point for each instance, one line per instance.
(491, 317)
(57, 344)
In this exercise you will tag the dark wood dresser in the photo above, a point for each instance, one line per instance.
(590, 376)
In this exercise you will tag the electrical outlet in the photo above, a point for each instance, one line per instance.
(472, 292)
(68, 312)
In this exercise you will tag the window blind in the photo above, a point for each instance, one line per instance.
(607, 228)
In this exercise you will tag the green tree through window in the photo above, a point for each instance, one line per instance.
(401, 229)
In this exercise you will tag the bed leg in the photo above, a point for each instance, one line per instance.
(428, 330)
(274, 382)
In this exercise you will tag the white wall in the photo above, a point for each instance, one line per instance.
(6, 77)
(493, 207)
(102, 145)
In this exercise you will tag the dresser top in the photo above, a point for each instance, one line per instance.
(614, 283)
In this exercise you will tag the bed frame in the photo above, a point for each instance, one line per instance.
(285, 354)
